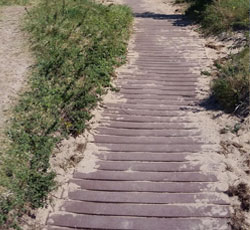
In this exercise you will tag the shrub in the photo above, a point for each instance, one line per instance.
(216, 16)
(226, 15)
(231, 87)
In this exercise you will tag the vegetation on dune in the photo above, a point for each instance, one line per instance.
(216, 17)
(231, 87)
(13, 2)
(77, 43)
(226, 15)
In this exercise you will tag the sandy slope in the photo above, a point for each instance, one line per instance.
(15, 59)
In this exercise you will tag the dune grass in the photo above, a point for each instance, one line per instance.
(232, 85)
(224, 17)
(217, 16)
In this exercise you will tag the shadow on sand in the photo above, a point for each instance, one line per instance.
(178, 20)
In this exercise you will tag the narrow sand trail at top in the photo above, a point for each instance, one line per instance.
(15, 59)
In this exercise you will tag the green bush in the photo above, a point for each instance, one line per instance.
(77, 44)
(226, 15)
(216, 16)
(231, 87)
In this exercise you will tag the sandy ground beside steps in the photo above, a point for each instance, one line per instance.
(15, 60)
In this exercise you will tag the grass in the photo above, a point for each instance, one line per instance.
(217, 16)
(77, 44)
(231, 87)
(226, 15)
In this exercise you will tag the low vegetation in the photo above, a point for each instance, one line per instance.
(231, 87)
(224, 17)
(77, 44)
(13, 2)
(217, 16)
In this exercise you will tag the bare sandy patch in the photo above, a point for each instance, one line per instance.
(15, 60)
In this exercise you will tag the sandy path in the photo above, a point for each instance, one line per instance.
(14, 59)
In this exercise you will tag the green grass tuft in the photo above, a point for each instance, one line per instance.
(217, 16)
(77, 43)
(226, 15)
(231, 87)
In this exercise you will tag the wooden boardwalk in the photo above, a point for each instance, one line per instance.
(146, 174)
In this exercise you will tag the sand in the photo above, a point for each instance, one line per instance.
(15, 60)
